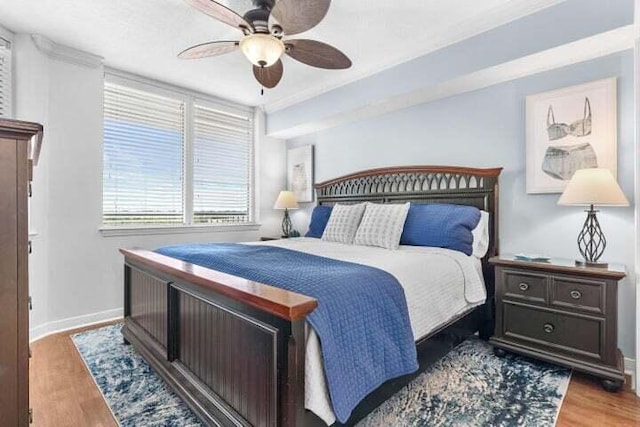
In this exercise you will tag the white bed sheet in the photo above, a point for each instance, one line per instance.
(439, 284)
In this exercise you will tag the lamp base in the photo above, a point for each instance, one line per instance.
(286, 224)
(591, 242)
(584, 263)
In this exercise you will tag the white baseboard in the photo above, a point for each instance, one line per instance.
(630, 369)
(49, 328)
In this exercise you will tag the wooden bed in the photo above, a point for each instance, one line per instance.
(234, 350)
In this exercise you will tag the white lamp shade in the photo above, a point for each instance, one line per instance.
(286, 200)
(263, 50)
(595, 186)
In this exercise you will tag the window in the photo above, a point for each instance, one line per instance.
(172, 159)
(5, 78)
(143, 157)
(222, 165)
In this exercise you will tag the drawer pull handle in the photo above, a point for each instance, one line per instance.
(524, 287)
(548, 328)
(575, 294)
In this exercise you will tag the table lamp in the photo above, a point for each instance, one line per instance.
(589, 187)
(286, 200)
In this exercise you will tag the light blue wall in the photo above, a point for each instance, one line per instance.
(566, 22)
(486, 128)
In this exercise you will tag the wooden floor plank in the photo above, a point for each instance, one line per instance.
(63, 393)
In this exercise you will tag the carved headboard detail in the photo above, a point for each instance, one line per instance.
(420, 184)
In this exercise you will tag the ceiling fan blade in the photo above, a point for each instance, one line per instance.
(297, 16)
(317, 54)
(205, 50)
(269, 77)
(220, 12)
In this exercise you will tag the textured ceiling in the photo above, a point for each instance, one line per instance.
(144, 36)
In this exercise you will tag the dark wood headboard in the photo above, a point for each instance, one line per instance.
(420, 184)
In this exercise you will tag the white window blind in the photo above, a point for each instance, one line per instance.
(143, 175)
(222, 153)
(5, 78)
(174, 158)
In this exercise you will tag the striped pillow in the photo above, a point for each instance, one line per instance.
(382, 225)
(343, 223)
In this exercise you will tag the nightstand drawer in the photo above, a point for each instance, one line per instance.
(578, 294)
(525, 286)
(580, 335)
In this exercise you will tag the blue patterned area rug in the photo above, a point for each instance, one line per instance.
(468, 387)
(134, 392)
(472, 387)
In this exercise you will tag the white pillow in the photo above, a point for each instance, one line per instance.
(481, 236)
(382, 225)
(343, 223)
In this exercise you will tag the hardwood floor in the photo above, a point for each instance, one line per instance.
(587, 404)
(64, 394)
(62, 391)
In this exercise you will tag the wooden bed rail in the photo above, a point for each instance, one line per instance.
(279, 302)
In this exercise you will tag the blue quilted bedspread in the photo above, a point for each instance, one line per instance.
(361, 319)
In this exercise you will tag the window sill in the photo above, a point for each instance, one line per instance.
(175, 229)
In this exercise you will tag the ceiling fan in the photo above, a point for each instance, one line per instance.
(264, 29)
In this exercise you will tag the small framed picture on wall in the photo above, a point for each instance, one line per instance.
(569, 129)
(300, 172)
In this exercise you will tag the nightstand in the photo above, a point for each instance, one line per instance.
(560, 313)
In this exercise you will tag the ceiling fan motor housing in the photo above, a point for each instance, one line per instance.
(259, 19)
(264, 4)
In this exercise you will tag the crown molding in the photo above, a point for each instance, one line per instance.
(586, 49)
(66, 54)
(6, 35)
(498, 16)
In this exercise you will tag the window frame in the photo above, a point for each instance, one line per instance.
(190, 99)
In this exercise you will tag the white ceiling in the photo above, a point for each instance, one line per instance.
(144, 36)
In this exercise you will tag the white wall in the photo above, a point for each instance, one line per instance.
(271, 168)
(31, 83)
(76, 272)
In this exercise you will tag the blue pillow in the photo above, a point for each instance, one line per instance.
(441, 226)
(319, 219)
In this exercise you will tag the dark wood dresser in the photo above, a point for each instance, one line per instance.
(19, 149)
(560, 313)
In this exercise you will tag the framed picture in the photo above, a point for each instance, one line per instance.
(570, 129)
(300, 172)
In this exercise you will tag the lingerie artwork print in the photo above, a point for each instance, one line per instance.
(561, 161)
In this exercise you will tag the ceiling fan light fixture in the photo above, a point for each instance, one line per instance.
(263, 50)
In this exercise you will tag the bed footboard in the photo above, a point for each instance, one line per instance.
(232, 349)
